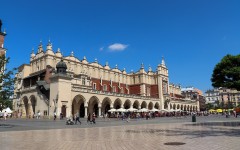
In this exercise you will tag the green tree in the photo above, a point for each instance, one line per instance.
(227, 73)
(7, 81)
(209, 106)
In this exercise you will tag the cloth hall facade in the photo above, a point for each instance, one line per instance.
(54, 83)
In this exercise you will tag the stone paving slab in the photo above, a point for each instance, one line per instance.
(135, 137)
(214, 135)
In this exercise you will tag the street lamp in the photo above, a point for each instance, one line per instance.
(222, 103)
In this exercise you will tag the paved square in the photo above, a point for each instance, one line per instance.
(145, 135)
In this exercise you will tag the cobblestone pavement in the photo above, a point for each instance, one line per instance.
(208, 133)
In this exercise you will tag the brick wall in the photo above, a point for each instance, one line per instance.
(134, 89)
(154, 91)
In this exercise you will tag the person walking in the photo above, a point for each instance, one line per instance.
(89, 119)
(55, 116)
(38, 115)
(77, 119)
(5, 115)
(93, 118)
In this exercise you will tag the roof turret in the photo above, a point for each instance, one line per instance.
(61, 67)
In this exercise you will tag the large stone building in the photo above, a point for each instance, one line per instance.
(52, 82)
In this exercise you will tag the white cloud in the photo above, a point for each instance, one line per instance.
(117, 47)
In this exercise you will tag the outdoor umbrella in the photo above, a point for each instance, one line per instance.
(143, 110)
(153, 110)
(132, 109)
(121, 110)
(112, 110)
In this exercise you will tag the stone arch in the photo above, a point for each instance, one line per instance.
(144, 104)
(24, 106)
(166, 103)
(106, 105)
(174, 106)
(181, 107)
(33, 102)
(188, 108)
(157, 106)
(127, 104)
(185, 108)
(136, 104)
(78, 105)
(117, 104)
(150, 105)
(93, 105)
(178, 106)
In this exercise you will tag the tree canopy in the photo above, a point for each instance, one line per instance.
(227, 73)
(7, 81)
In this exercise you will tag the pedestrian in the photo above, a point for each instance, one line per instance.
(89, 119)
(61, 116)
(5, 115)
(38, 116)
(77, 119)
(55, 116)
(93, 118)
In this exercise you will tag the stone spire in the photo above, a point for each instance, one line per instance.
(49, 46)
(40, 47)
(163, 62)
(72, 54)
(149, 69)
(32, 54)
(106, 64)
(142, 66)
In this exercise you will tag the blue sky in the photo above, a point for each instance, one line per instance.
(191, 35)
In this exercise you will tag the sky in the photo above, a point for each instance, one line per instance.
(191, 35)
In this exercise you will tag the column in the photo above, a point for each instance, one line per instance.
(86, 114)
(99, 111)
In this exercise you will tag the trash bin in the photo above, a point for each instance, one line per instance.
(193, 118)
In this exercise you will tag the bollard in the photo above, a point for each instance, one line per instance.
(194, 118)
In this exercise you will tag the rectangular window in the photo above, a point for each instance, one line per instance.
(45, 112)
(104, 87)
(83, 81)
(94, 86)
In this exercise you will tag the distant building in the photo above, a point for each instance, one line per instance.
(212, 96)
(194, 94)
(223, 97)
(178, 99)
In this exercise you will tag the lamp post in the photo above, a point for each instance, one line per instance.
(1, 107)
(222, 103)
